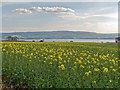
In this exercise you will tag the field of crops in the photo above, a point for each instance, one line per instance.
(60, 64)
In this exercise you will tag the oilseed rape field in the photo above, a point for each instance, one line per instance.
(60, 64)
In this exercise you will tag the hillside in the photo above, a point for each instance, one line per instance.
(59, 35)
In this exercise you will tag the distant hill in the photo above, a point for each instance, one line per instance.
(59, 35)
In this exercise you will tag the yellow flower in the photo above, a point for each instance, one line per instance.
(30, 60)
(95, 62)
(79, 61)
(62, 67)
(31, 54)
(64, 61)
(114, 70)
(94, 82)
(50, 63)
(59, 58)
(70, 53)
(3, 49)
(74, 62)
(81, 66)
(113, 61)
(96, 69)
(105, 70)
(88, 61)
(110, 81)
(87, 73)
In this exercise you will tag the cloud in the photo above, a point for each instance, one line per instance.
(69, 13)
(22, 11)
(54, 10)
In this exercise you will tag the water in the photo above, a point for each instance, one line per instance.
(74, 40)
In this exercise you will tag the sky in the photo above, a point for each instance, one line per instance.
(60, 0)
(100, 17)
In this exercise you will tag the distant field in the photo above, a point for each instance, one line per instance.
(60, 64)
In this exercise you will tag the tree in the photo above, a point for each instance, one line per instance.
(10, 38)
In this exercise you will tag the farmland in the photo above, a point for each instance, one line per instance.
(60, 64)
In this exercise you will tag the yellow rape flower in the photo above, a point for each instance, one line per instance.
(79, 61)
(96, 69)
(114, 70)
(110, 81)
(31, 54)
(87, 73)
(81, 66)
(74, 62)
(94, 81)
(3, 49)
(113, 61)
(62, 67)
(105, 70)
(50, 63)
(64, 61)
(30, 60)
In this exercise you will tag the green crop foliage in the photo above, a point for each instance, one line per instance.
(60, 64)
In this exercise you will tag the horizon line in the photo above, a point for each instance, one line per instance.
(60, 31)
